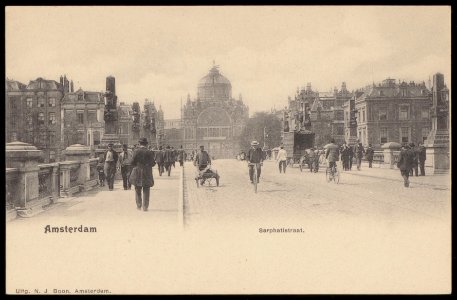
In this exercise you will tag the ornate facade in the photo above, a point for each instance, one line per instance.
(214, 119)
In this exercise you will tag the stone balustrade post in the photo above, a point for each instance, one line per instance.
(82, 154)
(25, 158)
(55, 182)
(388, 150)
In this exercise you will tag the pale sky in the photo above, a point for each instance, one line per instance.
(160, 53)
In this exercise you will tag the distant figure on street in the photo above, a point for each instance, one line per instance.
(405, 162)
(422, 155)
(101, 171)
(255, 156)
(313, 160)
(168, 159)
(181, 156)
(415, 166)
(159, 159)
(282, 159)
(111, 158)
(369, 153)
(350, 156)
(141, 175)
(125, 161)
(358, 153)
(174, 155)
(344, 151)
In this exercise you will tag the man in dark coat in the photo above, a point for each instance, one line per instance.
(141, 175)
(111, 158)
(125, 160)
(415, 166)
(159, 158)
(168, 159)
(358, 153)
(405, 162)
(181, 155)
(344, 151)
(350, 156)
(422, 155)
(369, 153)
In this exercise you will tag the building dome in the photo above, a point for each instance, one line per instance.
(214, 87)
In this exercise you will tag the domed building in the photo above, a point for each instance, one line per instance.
(214, 119)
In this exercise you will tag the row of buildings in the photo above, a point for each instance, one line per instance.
(52, 116)
(390, 111)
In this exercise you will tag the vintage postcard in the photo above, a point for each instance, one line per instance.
(228, 150)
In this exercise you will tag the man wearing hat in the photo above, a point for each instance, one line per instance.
(125, 159)
(202, 159)
(111, 158)
(358, 153)
(255, 156)
(405, 162)
(141, 176)
(168, 159)
(159, 157)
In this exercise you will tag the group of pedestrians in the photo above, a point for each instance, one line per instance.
(411, 158)
(349, 153)
(136, 167)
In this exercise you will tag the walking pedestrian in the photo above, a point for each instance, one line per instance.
(345, 156)
(282, 159)
(159, 159)
(405, 161)
(168, 159)
(101, 171)
(174, 155)
(350, 156)
(125, 161)
(181, 155)
(111, 158)
(369, 153)
(422, 157)
(358, 153)
(415, 165)
(141, 175)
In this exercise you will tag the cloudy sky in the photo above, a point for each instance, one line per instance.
(160, 53)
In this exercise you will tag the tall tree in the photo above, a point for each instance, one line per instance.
(262, 127)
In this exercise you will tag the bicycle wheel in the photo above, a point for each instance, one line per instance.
(336, 176)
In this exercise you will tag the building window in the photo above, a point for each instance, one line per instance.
(29, 102)
(80, 97)
(125, 128)
(347, 118)
(425, 113)
(41, 102)
(52, 102)
(363, 115)
(403, 112)
(80, 116)
(52, 138)
(404, 93)
(92, 116)
(13, 104)
(41, 118)
(425, 132)
(382, 113)
(52, 118)
(340, 129)
(383, 135)
(404, 134)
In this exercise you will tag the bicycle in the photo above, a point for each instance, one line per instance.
(332, 173)
(254, 176)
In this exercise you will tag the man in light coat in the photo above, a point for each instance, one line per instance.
(282, 159)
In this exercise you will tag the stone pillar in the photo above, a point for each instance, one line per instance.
(389, 159)
(65, 169)
(25, 158)
(55, 182)
(438, 161)
(81, 154)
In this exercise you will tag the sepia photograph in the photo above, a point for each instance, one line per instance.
(194, 150)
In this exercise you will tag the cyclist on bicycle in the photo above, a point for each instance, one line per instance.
(332, 154)
(254, 156)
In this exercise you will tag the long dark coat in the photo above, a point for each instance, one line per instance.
(142, 163)
(369, 153)
(405, 160)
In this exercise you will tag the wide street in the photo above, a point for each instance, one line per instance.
(370, 194)
(366, 234)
